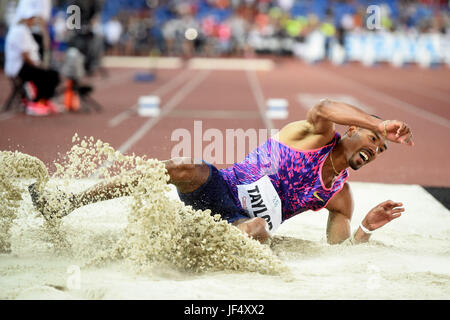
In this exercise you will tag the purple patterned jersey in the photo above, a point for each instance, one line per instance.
(295, 174)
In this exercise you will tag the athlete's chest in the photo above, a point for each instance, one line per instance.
(306, 190)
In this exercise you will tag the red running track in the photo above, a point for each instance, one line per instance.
(235, 99)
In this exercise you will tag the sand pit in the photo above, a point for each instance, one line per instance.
(407, 259)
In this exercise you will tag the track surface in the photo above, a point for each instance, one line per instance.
(235, 99)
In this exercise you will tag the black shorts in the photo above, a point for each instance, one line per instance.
(45, 80)
(215, 195)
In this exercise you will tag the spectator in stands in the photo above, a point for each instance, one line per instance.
(280, 27)
(113, 31)
(39, 30)
(22, 61)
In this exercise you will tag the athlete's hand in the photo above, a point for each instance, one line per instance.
(396, 131)
(382, 214)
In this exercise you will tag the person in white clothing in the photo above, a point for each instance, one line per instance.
(22, 61)
(42, 10)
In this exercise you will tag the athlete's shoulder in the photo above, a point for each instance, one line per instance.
(302, 135)
(296, 130)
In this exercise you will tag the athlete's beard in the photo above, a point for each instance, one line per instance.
(353, 163)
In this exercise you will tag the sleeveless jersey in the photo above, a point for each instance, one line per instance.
(295, 180)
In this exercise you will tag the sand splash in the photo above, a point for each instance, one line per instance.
(159, 230)
(15, 166)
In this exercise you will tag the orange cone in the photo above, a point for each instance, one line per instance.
(71, 98)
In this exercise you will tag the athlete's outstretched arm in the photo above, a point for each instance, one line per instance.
(340, 213)
(326, 113)
(378, 217)
(340, 210)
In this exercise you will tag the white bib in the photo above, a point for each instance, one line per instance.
(261, 199)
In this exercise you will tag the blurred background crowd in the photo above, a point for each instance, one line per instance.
(311, 30)
(48, 43)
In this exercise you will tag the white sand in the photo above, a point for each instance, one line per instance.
(407, 259)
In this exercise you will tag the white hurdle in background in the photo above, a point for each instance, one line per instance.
(277, 109)
(148, 106)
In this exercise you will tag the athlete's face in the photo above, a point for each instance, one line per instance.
(364, 147)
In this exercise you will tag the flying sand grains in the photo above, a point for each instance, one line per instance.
(160, 231)
(15, 166)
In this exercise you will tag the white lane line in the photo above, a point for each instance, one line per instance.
(259, 97)
(167, 87)
(388, 99)
(122, 116)
(165, 110)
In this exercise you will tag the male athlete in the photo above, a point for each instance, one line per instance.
(303, 167)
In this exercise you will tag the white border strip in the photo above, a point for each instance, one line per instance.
(194, 63)
(142, 62)
(230, 64)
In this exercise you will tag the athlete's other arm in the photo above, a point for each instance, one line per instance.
(340, 210)
(326, 113)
